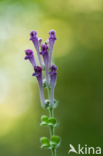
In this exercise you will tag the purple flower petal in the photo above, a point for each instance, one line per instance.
(45, 55)
(30, 56)
(34, 39)
(52, 39)
(38, 74)
(53, 77)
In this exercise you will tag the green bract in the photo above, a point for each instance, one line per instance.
(55, 103)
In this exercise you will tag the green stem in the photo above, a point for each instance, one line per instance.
(51, 112)
(54, 151)
(51, 128)
(51, 115)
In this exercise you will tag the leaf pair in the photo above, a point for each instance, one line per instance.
(48, 121)
(54, 142)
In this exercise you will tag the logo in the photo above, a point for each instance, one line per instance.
(84, 150)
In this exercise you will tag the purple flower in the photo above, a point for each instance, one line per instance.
(34, 38)
(53, 76)
(45, 55)
(30, 56)
(52, 39)
(38, 74)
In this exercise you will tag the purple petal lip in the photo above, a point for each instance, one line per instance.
(53, 68)
(35, 74)
(28, 52)
(44, 48)
(33, 35)
(53, 73)
(38, 72)
(27, 57)
(52, 35)
(52, 38)
(38, 69)
(52, 32)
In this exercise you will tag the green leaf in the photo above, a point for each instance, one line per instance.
(44, 120)
(55, 141)
(51, 121)
(45, 142)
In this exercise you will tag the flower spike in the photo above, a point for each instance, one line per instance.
(45, 50)
(45, 55)
(30, 56)
(52, 39)
(34, 39)
(38, 74)
(53, 76)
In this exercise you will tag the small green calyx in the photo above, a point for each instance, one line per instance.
(47, 104)
(44, 83)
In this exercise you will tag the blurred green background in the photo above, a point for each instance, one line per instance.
(78, 53)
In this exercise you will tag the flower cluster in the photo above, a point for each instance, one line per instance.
(46, 51)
